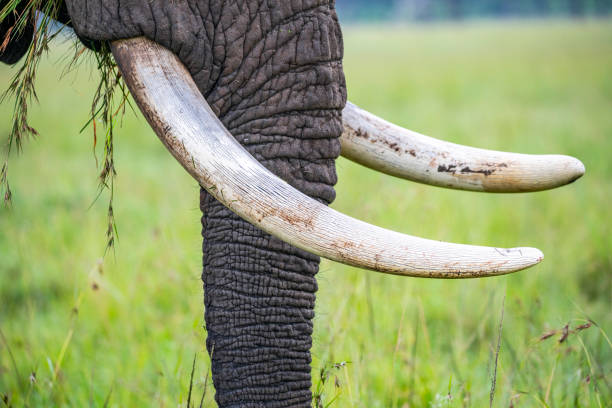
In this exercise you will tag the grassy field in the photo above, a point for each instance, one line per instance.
(79, 329)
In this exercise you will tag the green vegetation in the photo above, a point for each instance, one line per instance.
(79, 331)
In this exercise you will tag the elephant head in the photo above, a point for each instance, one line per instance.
(249, 96)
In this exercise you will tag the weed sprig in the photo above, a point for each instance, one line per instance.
(107, 110)
(22, 87)
(104, 109)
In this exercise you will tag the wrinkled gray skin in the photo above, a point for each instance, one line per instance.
(272, 71)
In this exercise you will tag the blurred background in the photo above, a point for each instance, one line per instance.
(81, 327)
(430, 10)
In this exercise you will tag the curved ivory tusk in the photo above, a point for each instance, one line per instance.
(179, 114)
(383, 146)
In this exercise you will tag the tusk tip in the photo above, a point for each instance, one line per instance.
(576, 167)
(524, 257)
(570, 169)
(501, 261)
(535, 255)
(529, 256)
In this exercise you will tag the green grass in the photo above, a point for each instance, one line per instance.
(123, 331)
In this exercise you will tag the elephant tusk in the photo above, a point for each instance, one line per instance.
(383, 146)
(181, 117)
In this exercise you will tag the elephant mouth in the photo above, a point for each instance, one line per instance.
(183, 120)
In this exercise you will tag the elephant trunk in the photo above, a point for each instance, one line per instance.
(259, 291)
(259, 301)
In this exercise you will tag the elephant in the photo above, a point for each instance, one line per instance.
(250, 97)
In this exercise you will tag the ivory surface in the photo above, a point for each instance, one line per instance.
(383, 146)
(181, 117)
